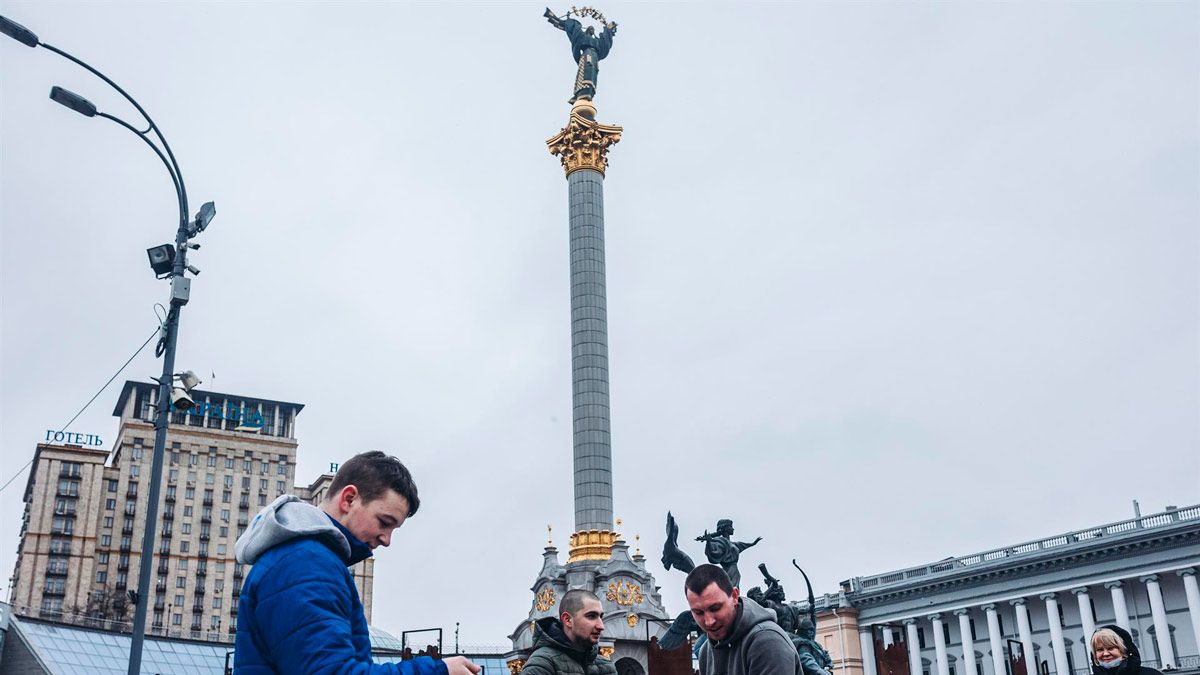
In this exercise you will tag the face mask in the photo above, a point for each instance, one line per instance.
(1112, 665)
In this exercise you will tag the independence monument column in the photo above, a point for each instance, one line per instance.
(598, 560)
(582, 146)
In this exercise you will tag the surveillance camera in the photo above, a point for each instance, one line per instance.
(180, 400)
(189, 380)
(194, 270)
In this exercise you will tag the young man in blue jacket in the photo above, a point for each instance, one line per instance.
(299, 612)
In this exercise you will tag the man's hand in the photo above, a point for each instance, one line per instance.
(460, 665)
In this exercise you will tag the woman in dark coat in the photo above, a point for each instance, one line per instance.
(1113, 653)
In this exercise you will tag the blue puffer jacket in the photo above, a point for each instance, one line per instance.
(299, 612)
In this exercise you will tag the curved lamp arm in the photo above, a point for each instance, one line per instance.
(172, 166)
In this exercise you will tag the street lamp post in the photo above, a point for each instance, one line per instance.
(180, 292)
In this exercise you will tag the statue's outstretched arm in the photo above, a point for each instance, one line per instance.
(553, 19)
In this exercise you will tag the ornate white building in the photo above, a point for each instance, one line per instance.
(1036, 602)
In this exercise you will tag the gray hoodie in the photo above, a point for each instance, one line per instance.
(287, 518)
(755, 646)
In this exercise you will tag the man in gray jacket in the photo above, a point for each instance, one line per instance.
(743, 637)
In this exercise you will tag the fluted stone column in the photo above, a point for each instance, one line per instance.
(914, 647)
(1192, 590)
(1119, 606)
(1085, 617)
(968, 643)
(939, 644)
(866, 640)
(889, 638)
(583, 147)
(1162, 631)
(1026, 635)
(1056, 634)
(995, 639)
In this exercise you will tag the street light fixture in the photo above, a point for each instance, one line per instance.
(167, 262)
(73, 101)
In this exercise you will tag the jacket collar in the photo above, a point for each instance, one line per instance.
(359, 551)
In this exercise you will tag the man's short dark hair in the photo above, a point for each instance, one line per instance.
(700, 578)
(374, 473)
(573, 601)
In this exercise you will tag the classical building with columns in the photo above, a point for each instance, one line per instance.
(1027, 608)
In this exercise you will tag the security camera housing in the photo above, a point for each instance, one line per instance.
(180, 400)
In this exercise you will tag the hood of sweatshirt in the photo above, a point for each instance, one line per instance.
(288, 518)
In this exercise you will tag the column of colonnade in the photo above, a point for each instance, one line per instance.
(1058, 641)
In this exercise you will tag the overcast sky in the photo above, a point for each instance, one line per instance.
(887, 282)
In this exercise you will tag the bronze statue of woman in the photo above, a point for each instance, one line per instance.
(587, 48)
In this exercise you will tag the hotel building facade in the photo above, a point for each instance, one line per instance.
(85, 512)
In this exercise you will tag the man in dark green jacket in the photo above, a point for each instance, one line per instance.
(743, 638)
(569, 644)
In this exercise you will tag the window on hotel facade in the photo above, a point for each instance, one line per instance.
(52, 605)
(193, 459)
(185, 546)
(186, 528)
(177, 620)
(187, 511)
(189, 493)
(226, 496)
(106, 540)
(212, 459)
(110, 504)
(135, 471)
(68, 487)
(246, 465)
(136, 452)
(210, 479)
(63, 526)
(171, 492)
(224, 531)
(101, 577)
(102, 557)
(112, 485)
(262, 500)
(224, 515)
(279, 486)
(229, 462)
(108, 522)
(72, 469)
(262, 484)
(174, 457)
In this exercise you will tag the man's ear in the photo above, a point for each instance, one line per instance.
(735, 594)
(346, 498)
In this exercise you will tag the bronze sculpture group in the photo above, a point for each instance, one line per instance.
(720, 549)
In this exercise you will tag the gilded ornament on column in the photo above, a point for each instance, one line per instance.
(584, 142)
(516, 665)
(632, 620)
(607, 652)
(545, 599)
(624, 593)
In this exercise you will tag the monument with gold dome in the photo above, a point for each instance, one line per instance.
(598, 559)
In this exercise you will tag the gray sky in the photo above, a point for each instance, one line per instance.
(887, 282)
